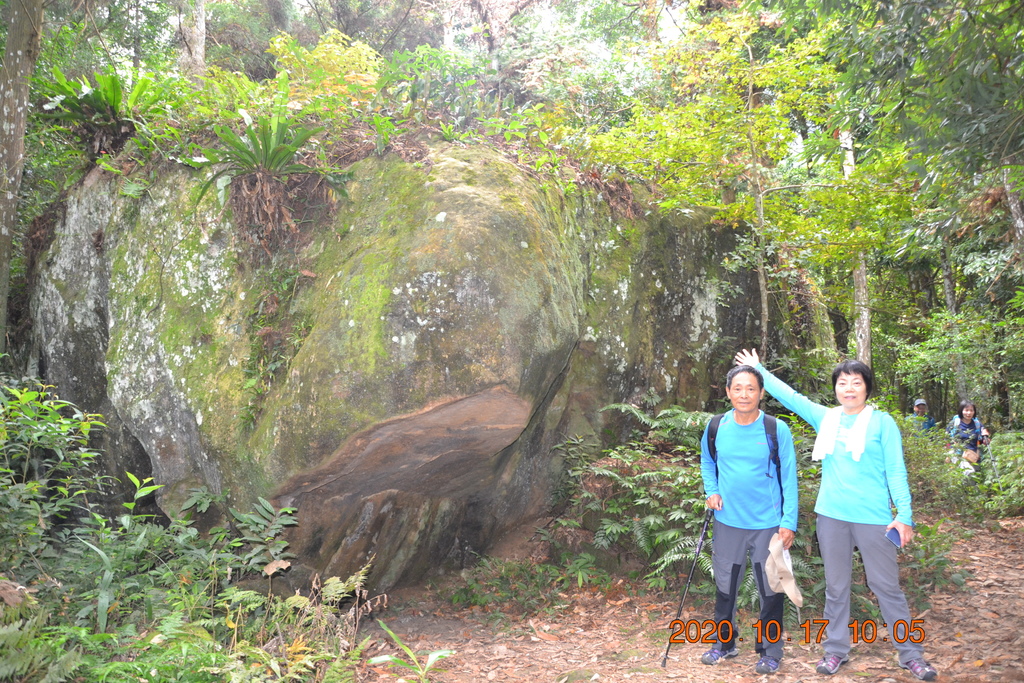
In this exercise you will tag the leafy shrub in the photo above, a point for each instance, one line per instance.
(130, 598)
(418, 668)
(1006, 467)
(337, 73)
(939, 486)
(45, 474)
(646, 496)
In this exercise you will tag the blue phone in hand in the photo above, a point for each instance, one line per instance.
(893, 535)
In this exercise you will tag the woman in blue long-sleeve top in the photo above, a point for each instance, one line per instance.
(862, 477)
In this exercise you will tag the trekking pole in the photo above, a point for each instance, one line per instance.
(700, 546)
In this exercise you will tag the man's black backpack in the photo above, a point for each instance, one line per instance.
(771, 433)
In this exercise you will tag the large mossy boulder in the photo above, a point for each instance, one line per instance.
(402, 376)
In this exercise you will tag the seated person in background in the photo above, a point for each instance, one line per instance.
(925, 420)
(966, 432)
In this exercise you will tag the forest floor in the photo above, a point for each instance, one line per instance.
(974, 633)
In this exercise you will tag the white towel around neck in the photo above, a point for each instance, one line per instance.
(825, 443)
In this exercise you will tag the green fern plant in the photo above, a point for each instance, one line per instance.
(260, 164)
(683, 428)
(268, 146)
(100, 111)
(25, 651)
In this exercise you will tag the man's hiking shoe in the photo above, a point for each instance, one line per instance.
(767, 665)
(922, 669)
(829, 664)
(714, 655)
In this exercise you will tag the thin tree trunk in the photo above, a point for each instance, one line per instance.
(24, 19)
(861, 292)
(949, 290)
(762, 274)
(861, 300)
(192, 37)
(136, 37)
(1016, 202)
(948, 284)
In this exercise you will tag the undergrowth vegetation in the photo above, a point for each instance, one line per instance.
(131, 597)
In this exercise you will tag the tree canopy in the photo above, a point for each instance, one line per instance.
(751, 110)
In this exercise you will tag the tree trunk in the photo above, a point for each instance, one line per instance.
(1016, 202)
(24, 19)
(192, 37)
(861, 300)
(949, 290)
(861, 293)
(948, 284)
(762, 273)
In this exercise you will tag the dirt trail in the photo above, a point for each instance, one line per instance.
(972, 635)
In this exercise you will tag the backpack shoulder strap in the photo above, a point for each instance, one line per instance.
(712, 433)
(771, 432)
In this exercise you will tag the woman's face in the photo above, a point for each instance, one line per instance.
(852, 393)
(968, 412)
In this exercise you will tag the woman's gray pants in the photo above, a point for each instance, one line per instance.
(837, 540)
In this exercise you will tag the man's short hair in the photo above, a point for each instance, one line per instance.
(854, 367)
(740, 369)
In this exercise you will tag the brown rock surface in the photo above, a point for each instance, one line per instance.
(411, 491)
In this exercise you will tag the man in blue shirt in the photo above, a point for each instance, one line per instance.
(925, 421)
(742, 485)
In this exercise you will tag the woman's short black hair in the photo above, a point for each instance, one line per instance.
(854, 367)
(740, 369)
(964, 404)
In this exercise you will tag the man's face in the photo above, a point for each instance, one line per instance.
(921, 409)
(744, 393)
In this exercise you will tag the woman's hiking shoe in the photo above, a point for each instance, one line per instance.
(922, 669)
(767, 665)
(829, 664)
(714, 655)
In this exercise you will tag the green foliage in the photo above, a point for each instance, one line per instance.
(429, 82)
(133, 597)
(641, 499)
(927, 561)
(337, 73)
(938, 485)
(26, 654)
(264, 161)
(262, 529)
(269, 147)
(237, 35)
(45, 469)
(102, 113)
(963, 349)
(276, 335)
(1006, 465)
(524, 586)
(418, 668)
(680, 427)
(944, 72)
